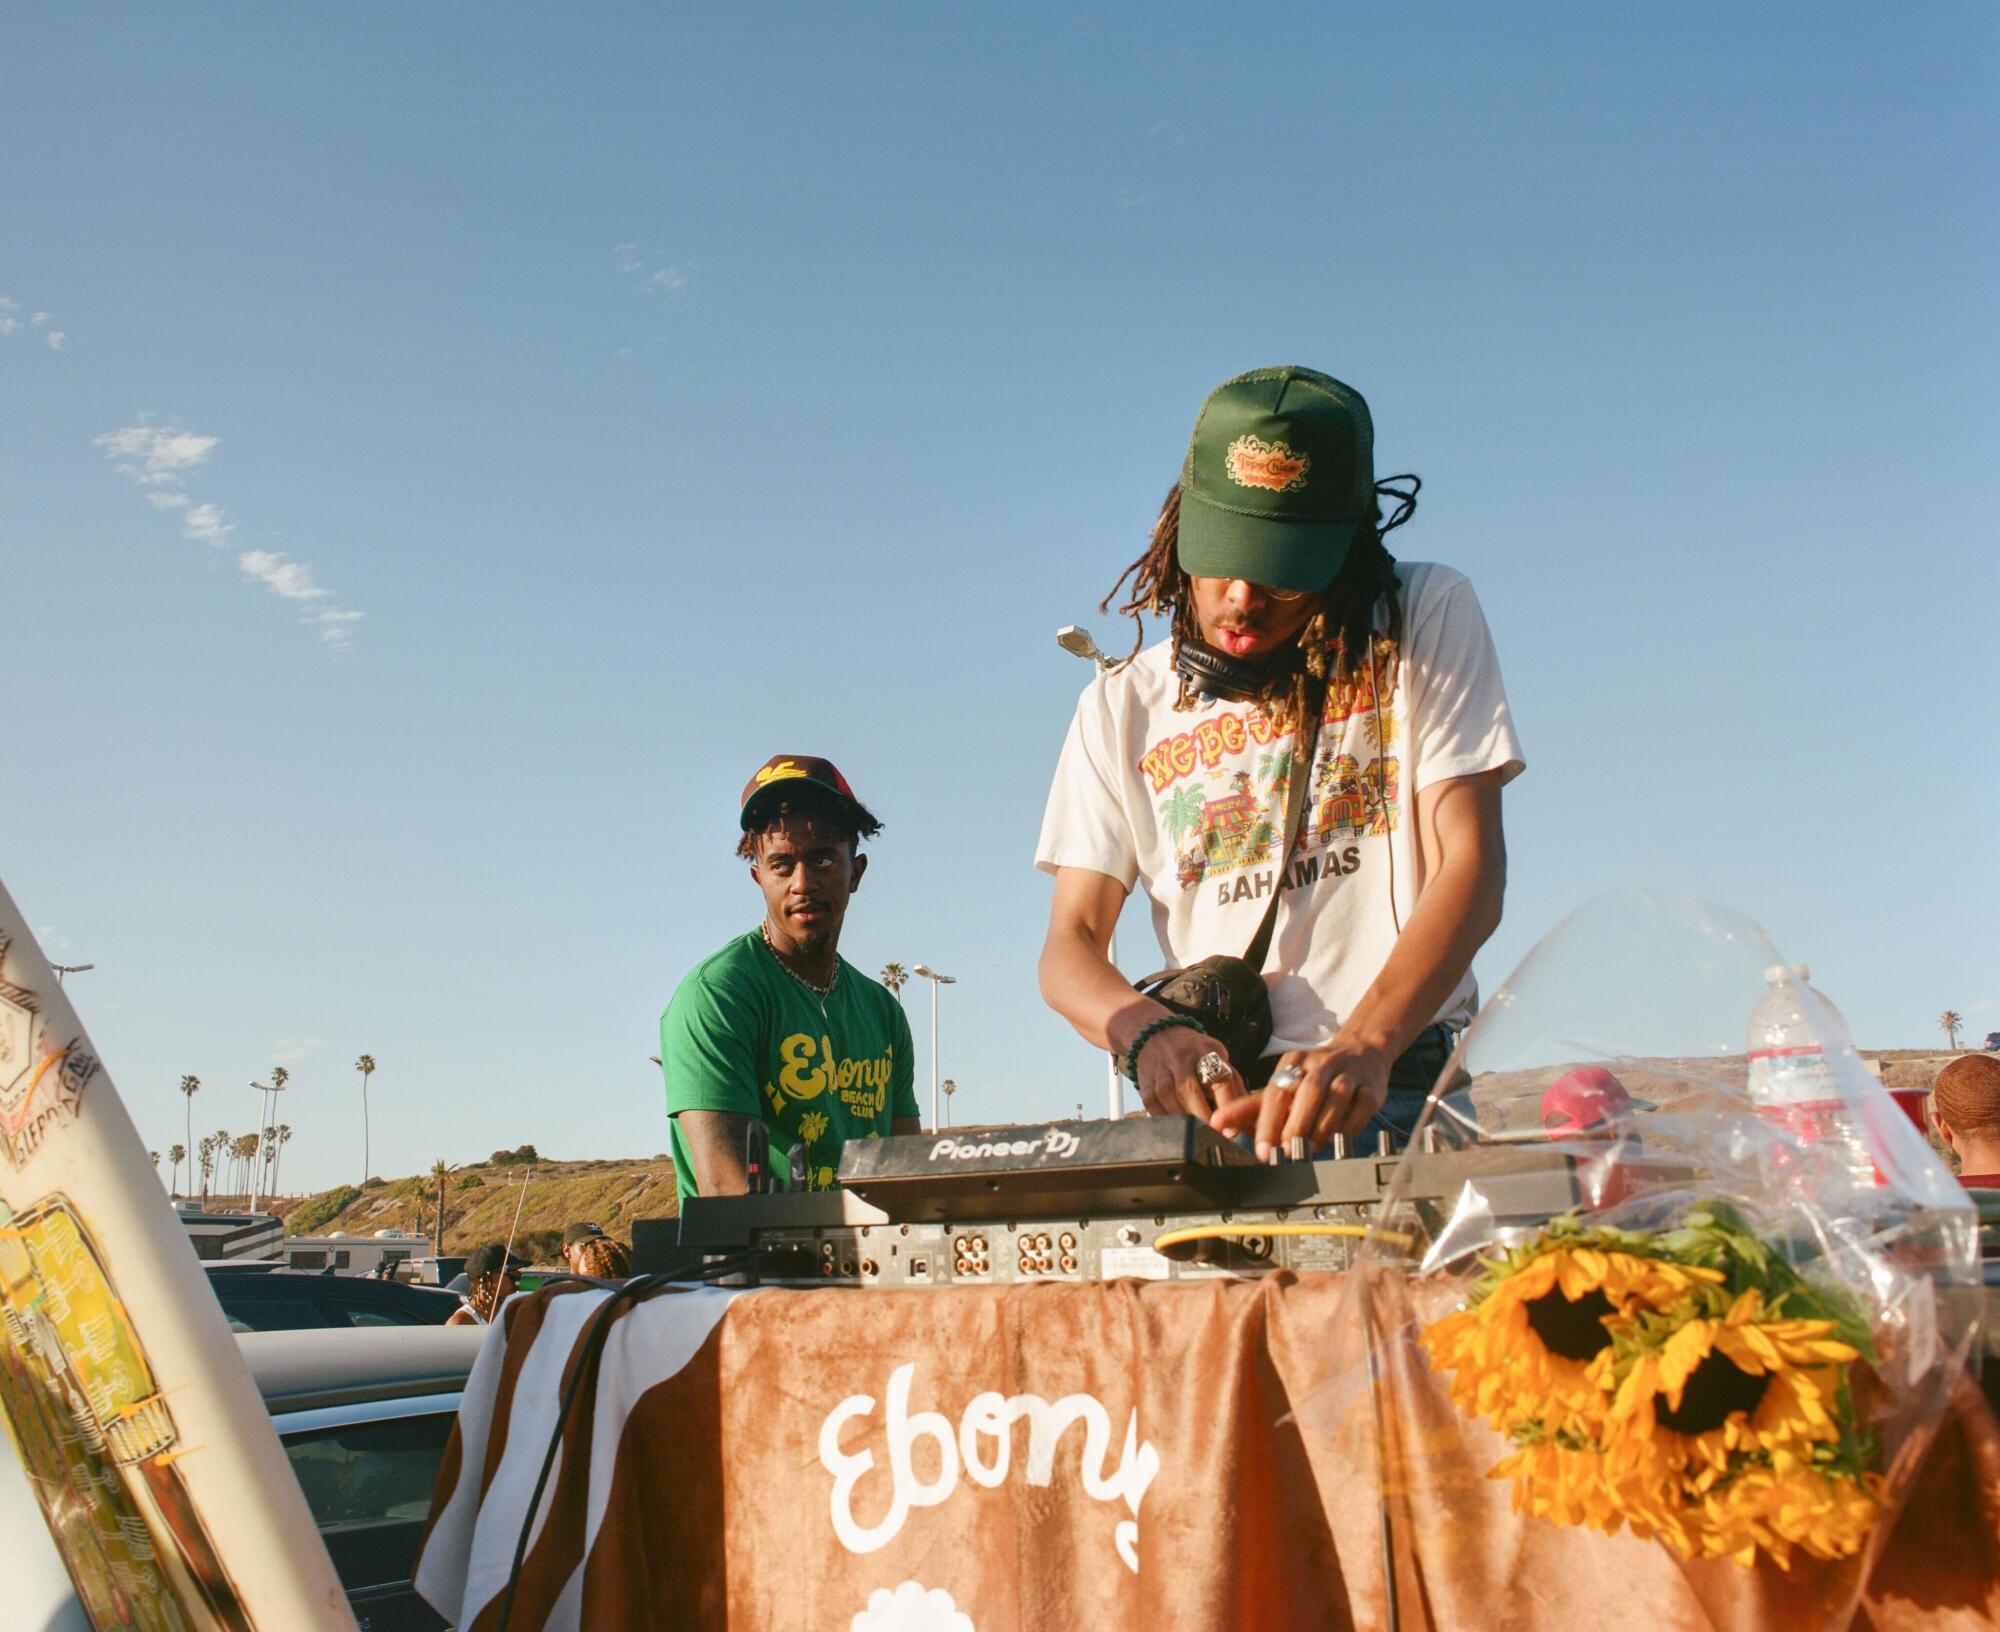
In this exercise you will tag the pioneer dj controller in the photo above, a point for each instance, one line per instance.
(1163, 1198)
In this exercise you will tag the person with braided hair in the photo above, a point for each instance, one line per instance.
(1965, 1105)
(1284, 607)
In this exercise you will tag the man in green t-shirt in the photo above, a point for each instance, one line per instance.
(777, 1028)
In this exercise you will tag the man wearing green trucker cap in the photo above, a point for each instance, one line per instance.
(1267, 561)
(776, 1043)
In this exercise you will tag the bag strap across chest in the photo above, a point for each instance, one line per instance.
(1305, 743)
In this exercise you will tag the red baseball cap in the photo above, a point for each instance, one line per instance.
(782, 768)
(1585, 1098)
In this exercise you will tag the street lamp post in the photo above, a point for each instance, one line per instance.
(264, 1104)
(62, 969)
(267, 1112)
(936, 981)
(1077, 642)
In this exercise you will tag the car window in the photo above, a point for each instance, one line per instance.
(383, 1317)
(272, 1314)
(368, 1485)
(368, 1473)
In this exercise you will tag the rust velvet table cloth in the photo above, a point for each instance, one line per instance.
(1133, 1454)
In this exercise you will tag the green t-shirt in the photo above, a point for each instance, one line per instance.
(742, 1034)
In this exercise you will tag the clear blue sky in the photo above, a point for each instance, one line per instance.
(665, 391)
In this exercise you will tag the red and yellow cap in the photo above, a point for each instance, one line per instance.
(780, 769)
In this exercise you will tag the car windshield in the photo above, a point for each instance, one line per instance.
(368, 1485)
(370, 1473)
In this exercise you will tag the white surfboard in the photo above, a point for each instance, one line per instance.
(145, 1440)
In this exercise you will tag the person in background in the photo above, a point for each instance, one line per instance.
(602, 1259)
(1965, 1105)
(574, 1237)
(776, 1042)
(494, 1274)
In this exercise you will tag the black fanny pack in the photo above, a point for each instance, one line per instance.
(1225, 993)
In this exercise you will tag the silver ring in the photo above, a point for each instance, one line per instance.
(1286, 1076)
(1211, 1067)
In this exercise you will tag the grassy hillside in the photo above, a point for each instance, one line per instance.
(480, 1203)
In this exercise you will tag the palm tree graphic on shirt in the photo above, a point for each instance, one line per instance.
(1181, 811)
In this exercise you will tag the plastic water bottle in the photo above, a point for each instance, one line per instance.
(1793, 1043)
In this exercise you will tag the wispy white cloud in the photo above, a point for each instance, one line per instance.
(158, 457)
(204, 524)
(292, 580)
(154, 454)
(668, 278)
(12, 319)
(291, 1050)
(336, 626)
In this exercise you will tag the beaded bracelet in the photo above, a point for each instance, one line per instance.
(1147, 1032)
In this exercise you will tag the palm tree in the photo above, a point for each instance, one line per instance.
(207, 1164)
(244, 1149)
(1181, 810)
(895, 977)
(1951, 1020)
(949, 1088)
(366, 1066)
(1275, 769)
(190, 1086)
(281, 1136)
(176, 1154)
(221, 1138)
(440, 1170)
(153, 1156)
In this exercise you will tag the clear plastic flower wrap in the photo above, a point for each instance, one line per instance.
(1666, 1257)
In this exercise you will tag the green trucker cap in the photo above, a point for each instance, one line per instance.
(1279, 472)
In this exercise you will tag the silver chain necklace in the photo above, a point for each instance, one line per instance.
(822, 993)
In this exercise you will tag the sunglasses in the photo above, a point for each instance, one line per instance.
(1270, 592)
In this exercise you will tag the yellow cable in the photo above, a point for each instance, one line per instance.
(1236, 1232)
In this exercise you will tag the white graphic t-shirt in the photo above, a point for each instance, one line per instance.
(1193, 804)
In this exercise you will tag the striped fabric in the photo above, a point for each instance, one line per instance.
(1109, 1456)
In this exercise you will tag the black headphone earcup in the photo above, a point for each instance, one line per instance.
(1217, 674)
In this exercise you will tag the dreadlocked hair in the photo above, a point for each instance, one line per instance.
(1336, 639)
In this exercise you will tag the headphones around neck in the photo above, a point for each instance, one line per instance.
(1211, 673)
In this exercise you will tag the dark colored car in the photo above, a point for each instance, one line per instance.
(1993, 1039)
(284, 1300)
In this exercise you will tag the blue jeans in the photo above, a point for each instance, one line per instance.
(1411, 1079)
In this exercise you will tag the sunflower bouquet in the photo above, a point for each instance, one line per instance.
(1688, 1384)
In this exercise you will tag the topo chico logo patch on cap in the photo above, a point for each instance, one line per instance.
(1253, 462)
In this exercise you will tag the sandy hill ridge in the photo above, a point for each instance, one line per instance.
(479, 1203)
